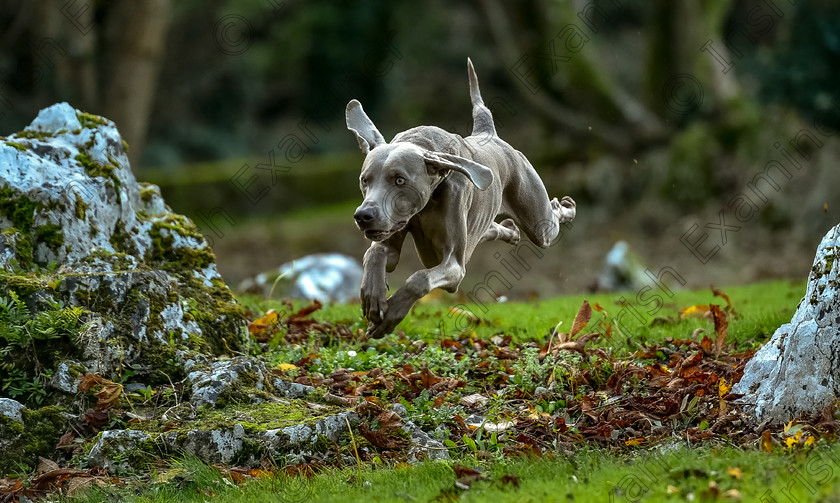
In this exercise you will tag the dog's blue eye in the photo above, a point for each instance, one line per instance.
(400, 180)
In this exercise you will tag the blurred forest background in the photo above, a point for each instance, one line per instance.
(666, 120)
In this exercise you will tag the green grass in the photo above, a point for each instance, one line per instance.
(671, 474)
(669, 470)
(760, 310)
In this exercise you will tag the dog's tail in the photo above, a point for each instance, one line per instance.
(482, 117)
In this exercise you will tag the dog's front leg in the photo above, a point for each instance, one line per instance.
(374, 284)
(447, 275)
(380, 258)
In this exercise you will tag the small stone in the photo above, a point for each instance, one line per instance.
(217, 445)
(290, 389)
(304, 435)
(422, 442)
(240, 379)
(399, 409)
(474, 400)
(475, 422)
(67, 376)
(623, 270)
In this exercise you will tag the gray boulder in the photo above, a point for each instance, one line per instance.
(327, 277)
(212, 446)
(240, 436)
(80, 230)
(303, 437)
(798, 370)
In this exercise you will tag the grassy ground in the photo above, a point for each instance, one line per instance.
(676, 474)
(676, 467)
(760, 309)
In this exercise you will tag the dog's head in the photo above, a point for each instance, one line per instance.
(398, 178)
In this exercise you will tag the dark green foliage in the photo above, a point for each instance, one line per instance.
(30, 345)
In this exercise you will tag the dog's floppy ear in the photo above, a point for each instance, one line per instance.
(358, 122)
(481, 176)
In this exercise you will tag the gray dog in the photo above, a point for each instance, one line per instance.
(446, 191)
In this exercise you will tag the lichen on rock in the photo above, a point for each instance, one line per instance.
(240, 380)
(117, 449)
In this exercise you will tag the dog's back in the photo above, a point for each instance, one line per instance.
(432, 138)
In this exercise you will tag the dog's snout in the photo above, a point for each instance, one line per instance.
(365, 215)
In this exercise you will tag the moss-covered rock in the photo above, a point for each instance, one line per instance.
(79, 231)
(239, 433)
(35, 433)
(240, 380)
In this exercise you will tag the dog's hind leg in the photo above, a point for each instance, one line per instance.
(506, 231)
(538, 217)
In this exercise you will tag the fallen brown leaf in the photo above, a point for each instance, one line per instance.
(581, 319)
(382, 440)
(721, 326)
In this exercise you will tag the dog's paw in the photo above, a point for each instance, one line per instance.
(568, 202)
(564, 209)
(380, 329)
(374, 303)
(399, 306)
(513, 235)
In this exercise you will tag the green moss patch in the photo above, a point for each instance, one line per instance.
(50, 235)
(121, 239)
(38, 437)
(170, 257)
(217, 312)
(17, 208)
(90, 121)
(254, 418)
(81, 208)
(21, 284)
(33, 135)
(20, 210)
(19, 146)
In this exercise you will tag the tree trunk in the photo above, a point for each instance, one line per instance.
(798, 370)
(678, 32)
(135, 41)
